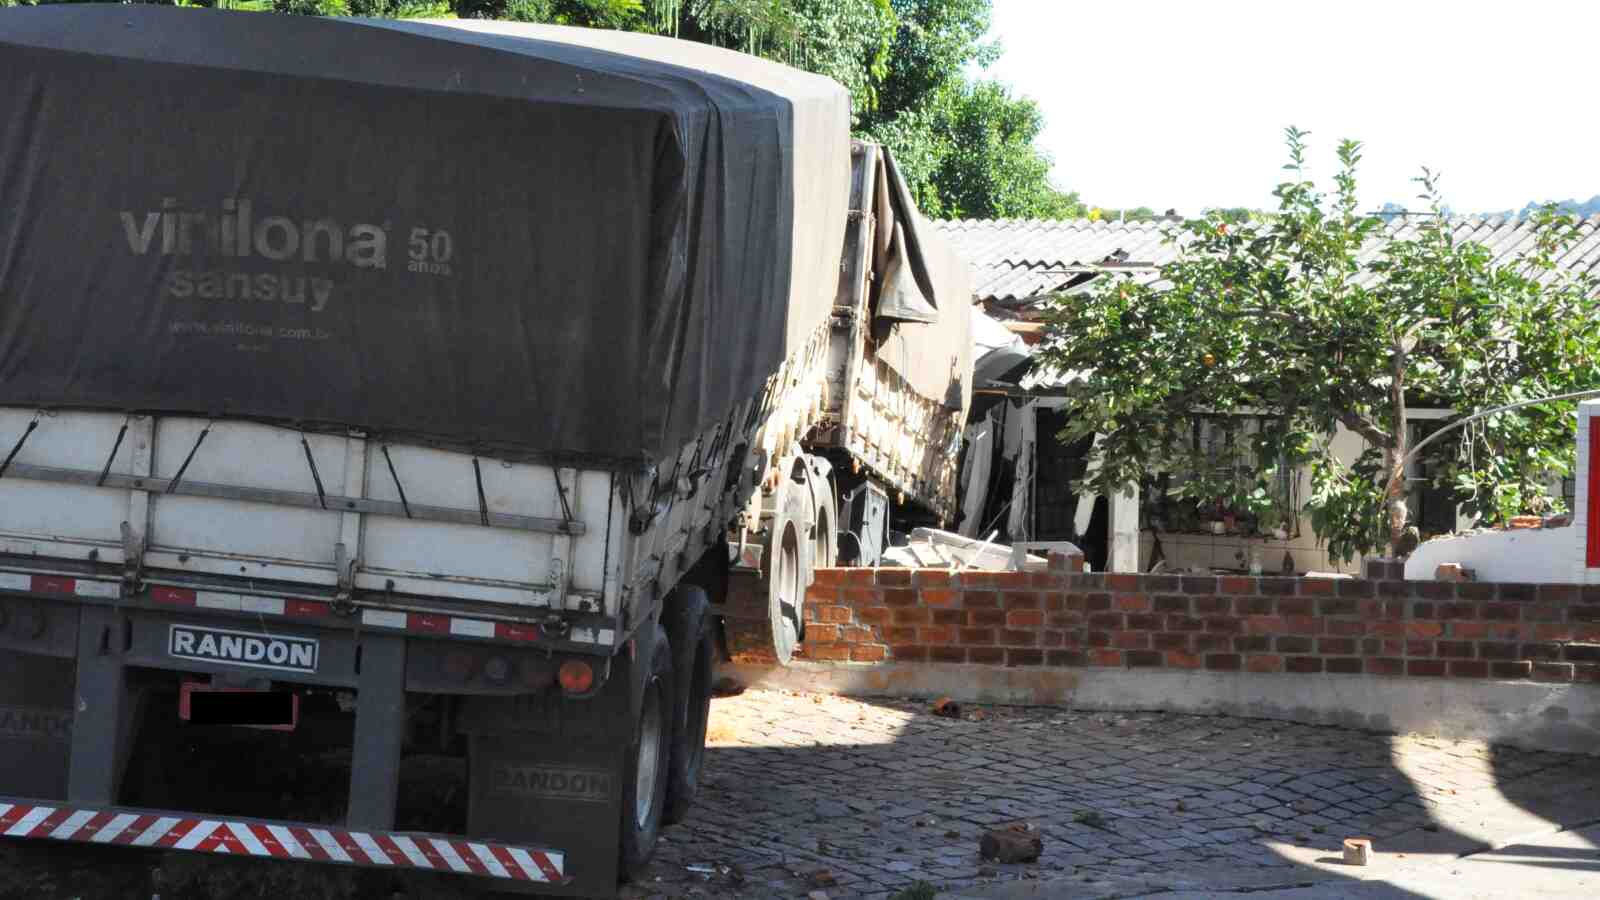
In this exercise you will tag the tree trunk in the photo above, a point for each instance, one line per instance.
(1394, 495)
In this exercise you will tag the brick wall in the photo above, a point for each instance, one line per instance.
(1378, 625)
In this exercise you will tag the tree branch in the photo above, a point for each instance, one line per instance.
(1363, 426)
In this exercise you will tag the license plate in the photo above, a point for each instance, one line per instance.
(204, 704)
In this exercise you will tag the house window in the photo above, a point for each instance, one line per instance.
(1227, 472)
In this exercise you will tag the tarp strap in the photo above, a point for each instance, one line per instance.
(396, 477)
(14, 450)
(117, 445)
(316, 476)
(178, 478)
(483, 502)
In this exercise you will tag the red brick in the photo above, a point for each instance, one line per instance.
(1053, 639)
(837, 577)
(939, 634)
(1449, 611)
(1385, 665)
(1296, 606)
(1276, 586)
(947, 654)
(986, 617)
(1344, 665)
(1559, 593)
(1518, 593)
(1425, 667)
(828, 652)
(1470, 590)
(1419, 648)
(1584, 613)
(1306, 624)
(1122, 581)
(1548, 671)
(1198, 584)
(977, 635)
(1294, 644)
(822, 634)
(900, 597)
(980, 600)
(1302, 664)
(1024, 657)
(1211, 606)
(1253, 643)
(1388, 629)
(1265, 625)
(1066, 658)
(878, 615)
(1178, 659)
(1047, 579)
(903, 634)
(1469, 668)
(1253, 606)
(1457, 649)
(1263, 662)
(1336, 606)
(835, 614)
(1025, 618)
(1224, 624)
(1356, 587)
(1130, 640)
(1213, 643)
(1223, 662)
(1171, 603)
(915, 616)
(1145, 659)
(893, 577)
(932, 578)
(1232, 584)
(1497, 650)
(1423, 629)
(1145, 622)
(1096, 602)
(1106, 620)
(1064, 620)
(1315, 587)
(1055, 602)
(1131, 602)
(1434, 590)
(818, 595)
(1336, 646)
(1016, 600)
(859, 597)
(1106, 658)
(1515, 669)
(1152, 584)
(1501, 612)
(1184, 623)
(1013, 637)
(1469, 631)
(949, 616)
(987, 656)
(1170, 640)
(1423, 610)
(941, 598)
(852, 634)
(1346, 627)
(1588, 673)
(1098, 638)
(868, 652)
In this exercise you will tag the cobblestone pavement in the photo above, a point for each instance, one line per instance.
(880, 795)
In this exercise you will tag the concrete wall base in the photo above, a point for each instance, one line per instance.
(1533, 715)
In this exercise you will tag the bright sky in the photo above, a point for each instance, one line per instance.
(1164, 103)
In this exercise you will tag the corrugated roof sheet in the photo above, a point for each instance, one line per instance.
(1015, 260)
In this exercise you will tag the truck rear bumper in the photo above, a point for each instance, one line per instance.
(299, 841)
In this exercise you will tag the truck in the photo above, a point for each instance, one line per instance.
(401, 420)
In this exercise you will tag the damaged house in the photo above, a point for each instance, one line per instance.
(1022, 485)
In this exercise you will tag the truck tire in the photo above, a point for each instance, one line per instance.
(825, 538)
(694, 653)
(764, 614)
(644, 794)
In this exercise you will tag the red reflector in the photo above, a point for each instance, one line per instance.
(426, 622)
(508, 631)
(306, 608)
(576, 676)
(175, 596)
(51, 584)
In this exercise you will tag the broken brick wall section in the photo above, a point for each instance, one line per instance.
(1377, 625)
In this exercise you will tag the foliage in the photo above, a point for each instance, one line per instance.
(312, 7)
(1283, 316)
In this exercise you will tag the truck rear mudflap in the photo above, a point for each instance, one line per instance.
(298, 841)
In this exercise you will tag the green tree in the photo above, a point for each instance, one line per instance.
(988, 166)
(1284, 316)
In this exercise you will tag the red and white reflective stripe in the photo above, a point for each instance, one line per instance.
(420, 623)
(282, 841)
(57, 584)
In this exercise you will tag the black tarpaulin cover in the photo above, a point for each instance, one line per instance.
(539, 240)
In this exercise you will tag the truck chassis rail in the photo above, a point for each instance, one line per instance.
(305, 842)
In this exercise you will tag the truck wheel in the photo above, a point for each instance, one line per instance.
(644, 795)
(693, 663)
(825, 541)
(764, 614)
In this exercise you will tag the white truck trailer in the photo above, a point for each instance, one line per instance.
(449, 392)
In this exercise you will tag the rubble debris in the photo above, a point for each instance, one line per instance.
(933, 548)
(1453, 572)
(946, 708)
(823, 878)
(1357, 851)
(1015, 843)
(726, 687)
(817, 895)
